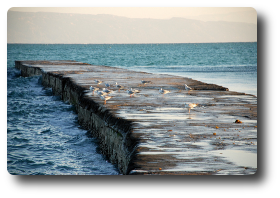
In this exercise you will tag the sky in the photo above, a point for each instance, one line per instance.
(136, 25)
(148, 12)
(42, 29)
(138, 12)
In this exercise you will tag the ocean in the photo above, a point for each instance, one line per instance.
(43, 134)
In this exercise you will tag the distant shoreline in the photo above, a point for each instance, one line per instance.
(119, 43)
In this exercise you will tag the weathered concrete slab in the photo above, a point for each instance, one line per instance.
(151, 133)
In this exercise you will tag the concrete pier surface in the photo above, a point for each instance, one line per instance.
(149, 133)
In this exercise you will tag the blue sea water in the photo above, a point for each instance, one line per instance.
(43, 135)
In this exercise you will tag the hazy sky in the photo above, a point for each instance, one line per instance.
(27, 30)
(143, 12)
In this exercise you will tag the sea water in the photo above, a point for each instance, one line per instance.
(43, 135)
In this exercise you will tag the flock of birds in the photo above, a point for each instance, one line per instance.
(105, 91)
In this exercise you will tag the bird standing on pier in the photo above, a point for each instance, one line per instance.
(135, 90)
(188, 88)
(105, 90)
(93, 89)
(98, 81)
(101, 93)
(190, 106)
(107, 85)
(130, 92)
(161, 91)
(119, 86)
(105, 98)
(145, 82)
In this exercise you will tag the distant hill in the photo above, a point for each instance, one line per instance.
(44, 27)
(242, 16)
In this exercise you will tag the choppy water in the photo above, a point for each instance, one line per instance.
(43, 136)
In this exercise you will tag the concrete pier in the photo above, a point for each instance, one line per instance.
(152, 133)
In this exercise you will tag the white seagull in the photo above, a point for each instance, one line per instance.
(145, 82)
(93, 89)
(190, 106)
(187, 87)
(135, 90)
(119, 86)
(105, 90)
(98, 81)
(101, 93)
(161, 91)
(130, 92)
(105, 98)
(107, 85)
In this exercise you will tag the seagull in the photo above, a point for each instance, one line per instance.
(119, 86)
(105, 90)
(105, 98)
(188, 88)
(131, 92)
(161, 91)
(101, 93)
(135, 90)
(98, 81)
(190, 106)
(145, 82)
(93, 88)
(107, 85)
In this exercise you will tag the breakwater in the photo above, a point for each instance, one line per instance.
(151, 133)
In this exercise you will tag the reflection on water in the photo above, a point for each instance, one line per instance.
(240, 158)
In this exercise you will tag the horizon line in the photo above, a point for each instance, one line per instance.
(187, 18)
(128, 43)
